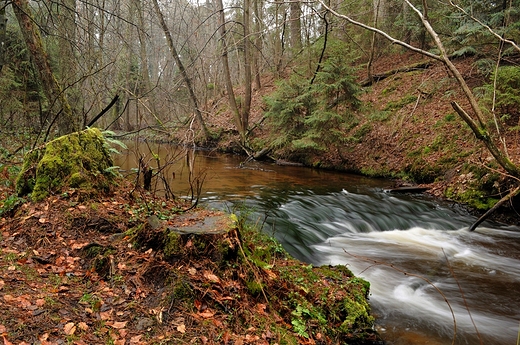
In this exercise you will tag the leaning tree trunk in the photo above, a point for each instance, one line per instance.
(3, 22)
(58, 103)
(477, 124)
(179, 63)
(227, 74)
(479, 127)
(246, 108)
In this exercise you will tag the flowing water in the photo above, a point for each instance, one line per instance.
(432, 281)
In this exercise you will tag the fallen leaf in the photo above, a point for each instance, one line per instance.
(2, 329)
(261, 308)
(9, 298)
(2, 283)
(197, 304)
(136, 339)
(226, 337)
(105, 315)
(211, 277)
(118, 324)
(40, 302)
(79, 245)
(207, 313)
(69, 328)
(83, 326)
(181, 328)
(6, 342)
(192, 271)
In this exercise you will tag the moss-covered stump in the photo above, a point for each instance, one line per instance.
(244, 282)
(78, 160)
(201, 234)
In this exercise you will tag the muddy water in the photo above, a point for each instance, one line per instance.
(432, 282)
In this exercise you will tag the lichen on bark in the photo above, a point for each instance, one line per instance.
(77, 160)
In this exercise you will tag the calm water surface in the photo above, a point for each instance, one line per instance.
(432, 281)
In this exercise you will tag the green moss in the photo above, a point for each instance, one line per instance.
(171, 246)
(76, 160)
(472, 197)
(391, 106)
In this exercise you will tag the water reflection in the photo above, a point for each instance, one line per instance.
(323, 217)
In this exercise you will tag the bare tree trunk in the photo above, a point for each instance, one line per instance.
(246, 107)
(295, 26)
(53, 91)
(279, 37)
(373, 45)
(68, 76)
(180, 65)
(227, 75)
(142, 46)
(3, 23)
(258, 41)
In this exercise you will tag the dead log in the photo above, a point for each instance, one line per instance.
(262, 154)
(410, 68)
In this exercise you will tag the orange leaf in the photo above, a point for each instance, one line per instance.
(197, 304)
(119, 324)
(9, 298)
(83, 326)
(261, 308)
(226, 337)
(136, 339)
(105, 315)
(211, 277)
(40, 302)
(207, 313)
(69, 328)
(6, 342)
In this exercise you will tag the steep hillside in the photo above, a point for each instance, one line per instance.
(406, 129)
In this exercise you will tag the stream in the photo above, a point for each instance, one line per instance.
(432, 281)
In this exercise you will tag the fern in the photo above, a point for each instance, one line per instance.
(111, 142)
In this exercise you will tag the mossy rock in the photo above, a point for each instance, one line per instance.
(77, 160)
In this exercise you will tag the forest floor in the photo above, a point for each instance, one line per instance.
(129, 268)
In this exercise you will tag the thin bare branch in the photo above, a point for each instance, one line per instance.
(493, 32)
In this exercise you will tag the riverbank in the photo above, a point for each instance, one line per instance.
(129, 268)
(406, 130)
